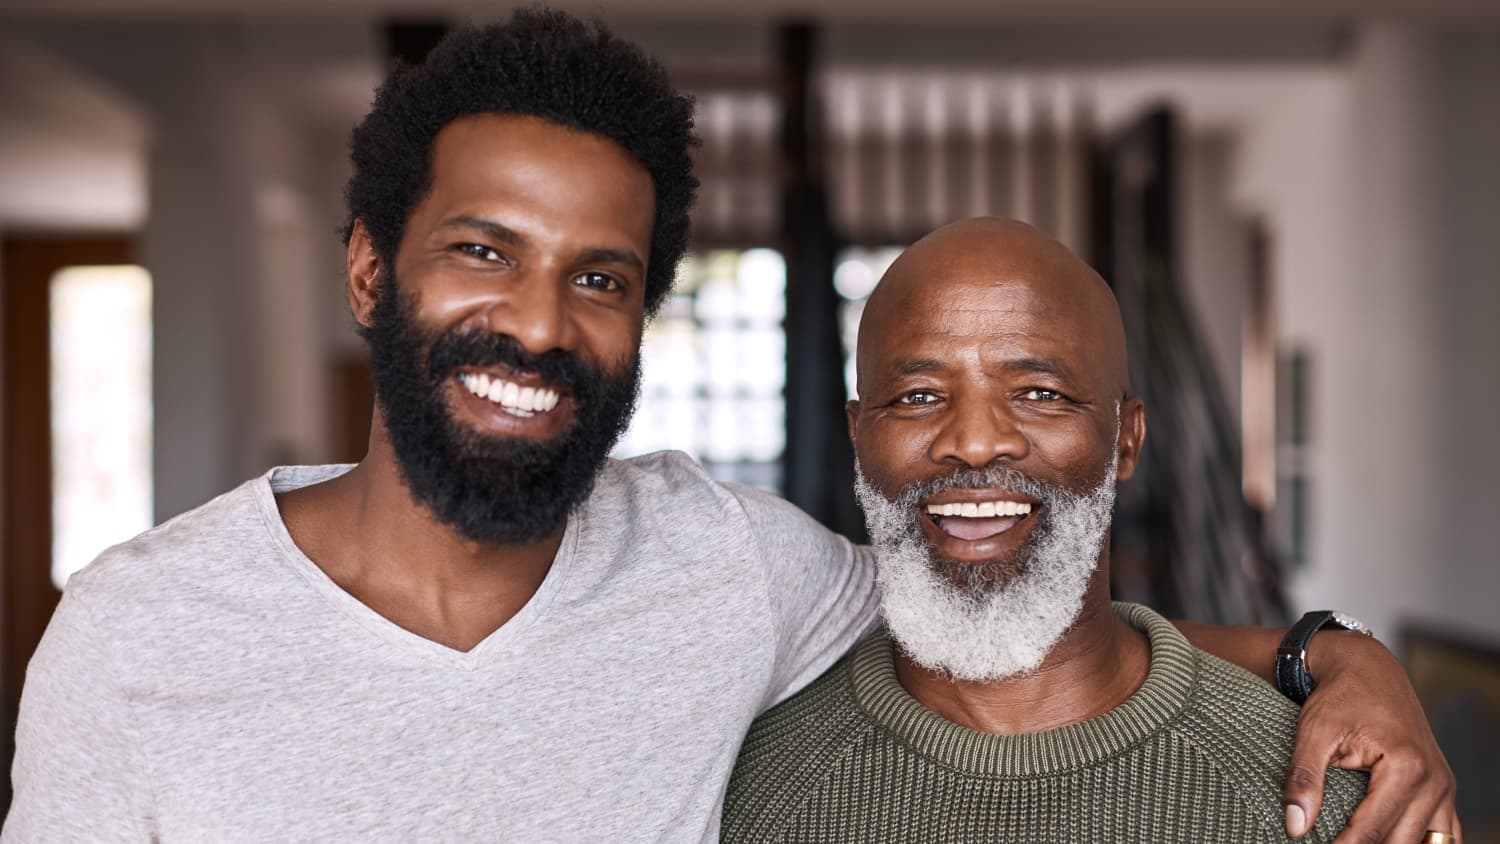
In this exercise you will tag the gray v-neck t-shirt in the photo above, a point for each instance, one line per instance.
(206, 681)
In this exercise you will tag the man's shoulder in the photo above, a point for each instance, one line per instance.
(1230, 701)
(1249, 728)
(826, 706)
(674, 477)
(792, 746)
(1221, 696)
(660, 482)
(196, 548)
(668, 466)
(673, 491)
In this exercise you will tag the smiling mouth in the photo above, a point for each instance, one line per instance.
(509, 396)
(972, 521)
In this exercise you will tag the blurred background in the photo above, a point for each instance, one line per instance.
(1297, 201)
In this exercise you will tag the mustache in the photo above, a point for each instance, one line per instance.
(462, 349)
(993, 476)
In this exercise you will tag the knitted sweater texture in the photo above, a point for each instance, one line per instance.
(1197, 754)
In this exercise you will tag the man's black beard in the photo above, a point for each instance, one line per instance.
(489, 489)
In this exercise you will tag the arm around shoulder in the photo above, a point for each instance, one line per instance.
(78, 772)
(1363, 715)
(820, 586)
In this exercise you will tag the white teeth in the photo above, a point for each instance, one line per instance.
(980, 510)
(523, 401)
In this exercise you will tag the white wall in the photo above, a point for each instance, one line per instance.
(72, 149)
(1376, 183)
(1465, 298)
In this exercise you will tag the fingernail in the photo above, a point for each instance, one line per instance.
(1296, 820)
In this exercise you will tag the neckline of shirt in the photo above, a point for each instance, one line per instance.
(287, 478)
(1169, 684)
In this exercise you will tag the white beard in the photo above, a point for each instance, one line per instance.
(991, 630)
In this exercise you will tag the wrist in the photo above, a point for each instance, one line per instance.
(1332, 650)
(1318, 631)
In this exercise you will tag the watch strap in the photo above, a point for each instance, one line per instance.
(1292, 678)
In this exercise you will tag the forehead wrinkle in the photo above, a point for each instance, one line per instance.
(980, 360)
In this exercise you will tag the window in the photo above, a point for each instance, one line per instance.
(714, 364)
(859, 270)
(101, 411)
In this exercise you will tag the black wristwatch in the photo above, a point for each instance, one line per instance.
(1291, 658)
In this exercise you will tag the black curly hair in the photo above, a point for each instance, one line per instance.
(541, 63)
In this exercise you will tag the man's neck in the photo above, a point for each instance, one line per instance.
(1099, 663)
(371, 537)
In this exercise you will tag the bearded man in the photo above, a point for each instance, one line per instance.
(486, 630)
(1007, 699)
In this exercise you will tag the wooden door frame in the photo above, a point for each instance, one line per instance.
(27, 596)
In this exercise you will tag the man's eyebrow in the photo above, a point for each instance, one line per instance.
(1041, 366)
(917, 366)
(614, 256)
(489, 228)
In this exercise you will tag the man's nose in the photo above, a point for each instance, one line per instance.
(977, 433)
(534, 310)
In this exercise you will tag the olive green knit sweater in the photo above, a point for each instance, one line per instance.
(1197, 754)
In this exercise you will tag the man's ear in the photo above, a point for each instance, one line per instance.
(362, 269)
(1132, 435)
(851, 413)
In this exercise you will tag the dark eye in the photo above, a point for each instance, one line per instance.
(917, 398)
(598, 281)
(1042, 394)
(480, 251)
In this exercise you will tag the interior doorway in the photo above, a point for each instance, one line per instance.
(39, 274)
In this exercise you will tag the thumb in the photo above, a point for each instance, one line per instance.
(1302, 790)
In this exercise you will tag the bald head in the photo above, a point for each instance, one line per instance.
(989, 264)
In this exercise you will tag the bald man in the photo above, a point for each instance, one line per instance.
(1008, 699)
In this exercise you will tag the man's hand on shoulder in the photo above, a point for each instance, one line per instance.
(1364, 715)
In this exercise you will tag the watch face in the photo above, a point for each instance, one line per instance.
(1349, 622)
